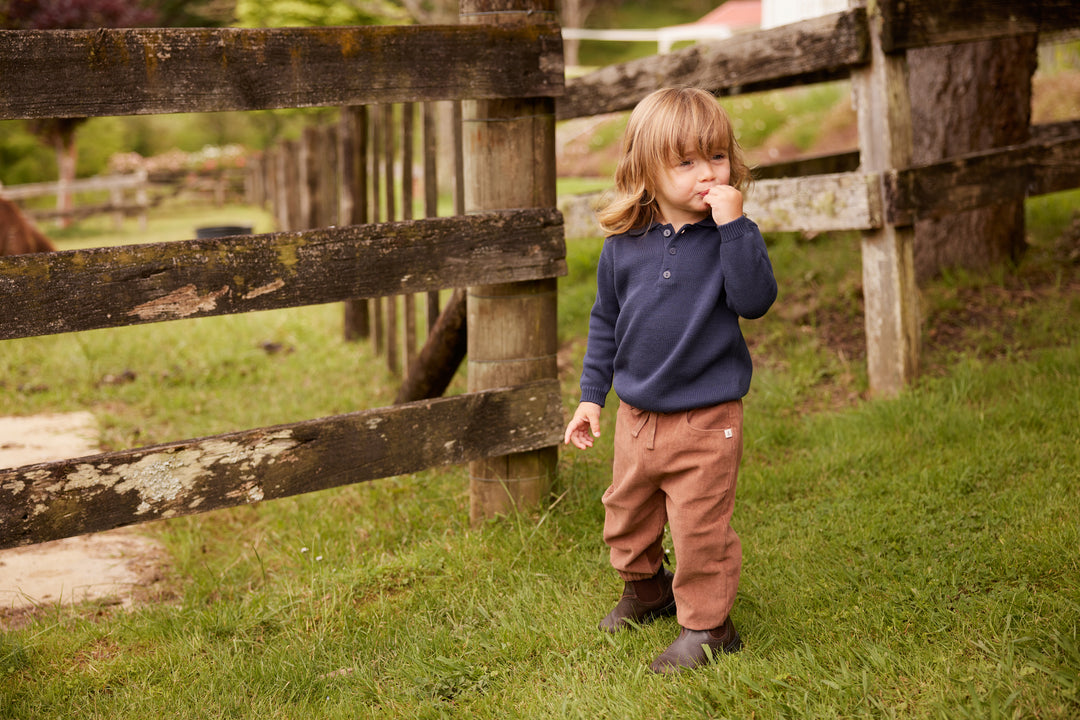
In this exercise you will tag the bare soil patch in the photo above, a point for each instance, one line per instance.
(110, 569)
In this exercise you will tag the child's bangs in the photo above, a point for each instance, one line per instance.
(707, 130)
(691, 128)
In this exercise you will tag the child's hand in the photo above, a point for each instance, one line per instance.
(726, 203)
(586, 418)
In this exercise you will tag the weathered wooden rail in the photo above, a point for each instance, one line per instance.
(814, 50)
(855, 200)
(135, 284)
(878, 190)
(71, 497)
(90, 73)
(124, 72)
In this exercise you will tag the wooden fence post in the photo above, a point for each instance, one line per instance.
(431, 194)
(408, 116)
(354, 202)
(889, 289)
(385, 153)
(330, 187)
(375, 141)
(509, 151)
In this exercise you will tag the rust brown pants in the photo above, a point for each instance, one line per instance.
(679, 469)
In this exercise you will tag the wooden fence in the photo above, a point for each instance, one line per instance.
(504, 63)
(134, 193)
(379, 163)
(118, 187)
(877, 191)
(507, 77)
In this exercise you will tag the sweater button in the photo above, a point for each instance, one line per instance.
(667, 232)
(671, 251)
(667, 274)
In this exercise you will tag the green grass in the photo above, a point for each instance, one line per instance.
(911, 558)
(155, 383)
(796, 115)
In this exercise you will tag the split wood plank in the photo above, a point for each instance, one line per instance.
(430, 372)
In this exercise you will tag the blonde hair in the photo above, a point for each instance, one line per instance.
(665, 127)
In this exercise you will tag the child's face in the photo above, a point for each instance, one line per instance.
(682, 186)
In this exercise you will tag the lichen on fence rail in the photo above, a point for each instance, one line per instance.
(111, 287)
(90, 73)
(71, 497)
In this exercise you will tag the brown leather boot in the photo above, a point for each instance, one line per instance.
(688, 651)
(642, 601)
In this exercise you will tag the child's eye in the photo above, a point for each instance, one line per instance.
(719, 156)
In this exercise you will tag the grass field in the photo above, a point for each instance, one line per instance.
(912, 558)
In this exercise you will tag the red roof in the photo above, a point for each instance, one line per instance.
(735, 14)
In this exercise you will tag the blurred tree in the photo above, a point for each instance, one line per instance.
(23, 158)
(432, 12)
(59, 133)
(306, 13)
(969, 97)
(74, 14)
(70, 15)
(194, 13)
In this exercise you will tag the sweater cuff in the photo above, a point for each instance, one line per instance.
(736, 228)
(594, 395)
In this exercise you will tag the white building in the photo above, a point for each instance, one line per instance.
(782, 12)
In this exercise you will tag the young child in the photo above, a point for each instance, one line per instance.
(680, 266)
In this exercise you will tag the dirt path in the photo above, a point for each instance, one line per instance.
(107, 568)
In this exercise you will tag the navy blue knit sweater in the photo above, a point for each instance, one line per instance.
(665, 325)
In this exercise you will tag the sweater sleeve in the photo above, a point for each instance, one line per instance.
(748, 275)
(599, 363)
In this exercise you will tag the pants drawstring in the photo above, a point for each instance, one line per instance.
(643, 418)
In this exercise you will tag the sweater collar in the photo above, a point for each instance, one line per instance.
(706, 222)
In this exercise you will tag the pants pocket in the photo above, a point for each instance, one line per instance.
(724, 418)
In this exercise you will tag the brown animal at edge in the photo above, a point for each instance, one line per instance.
(18, 235)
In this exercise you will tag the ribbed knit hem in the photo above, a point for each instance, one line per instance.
(736, 228)
(594, 396)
